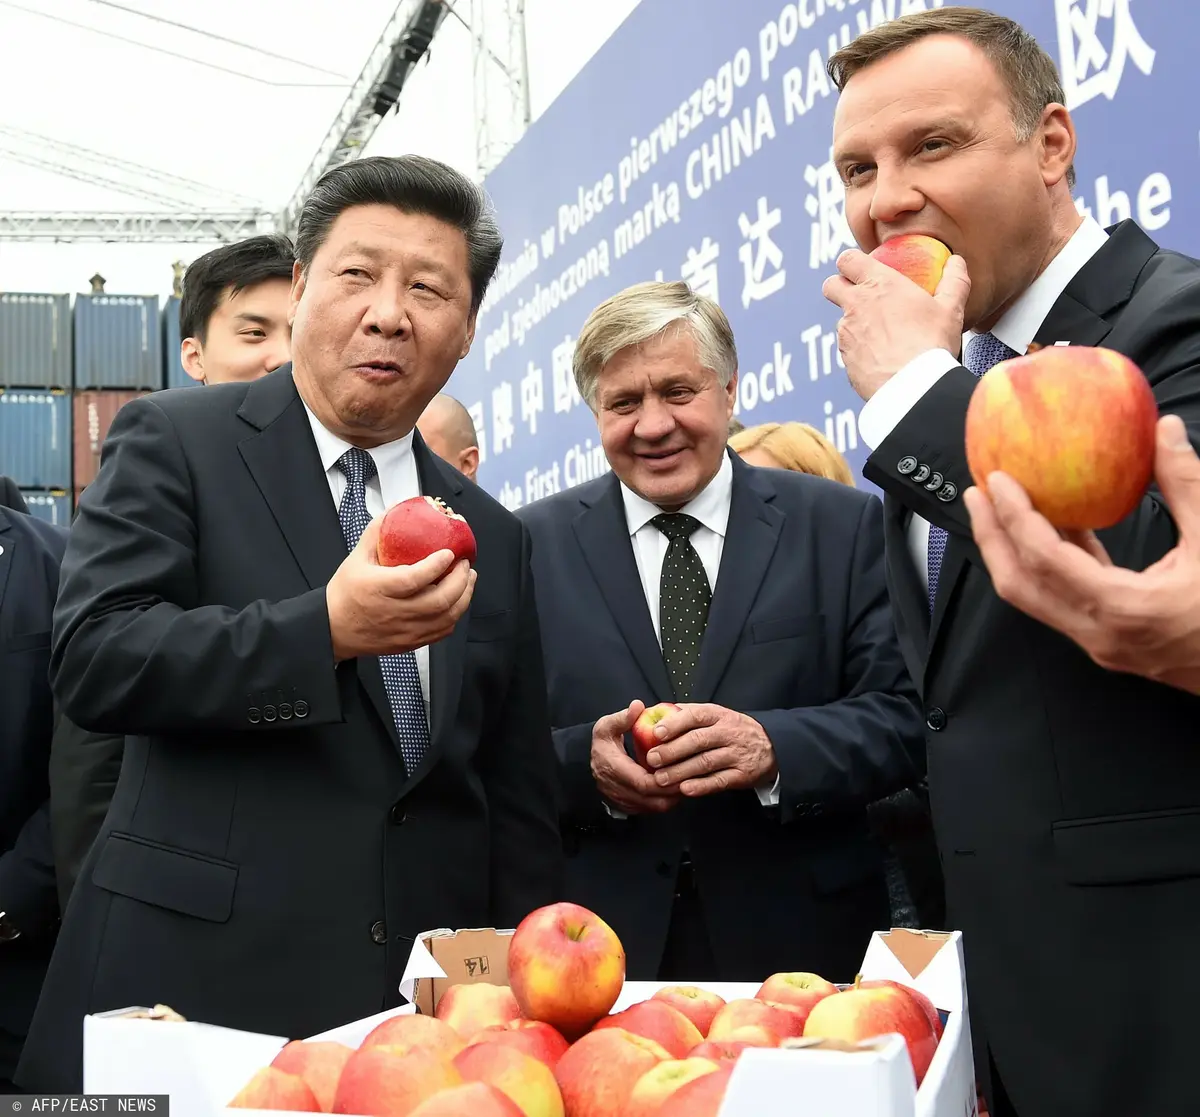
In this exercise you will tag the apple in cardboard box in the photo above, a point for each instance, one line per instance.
(471, 1008)
(701, 1097)
(272, 1088)
(698, 1005)
(384, 1081)
(319, 1063)
(598, 1073)
(407, 1032)
(756, 1023)
(533, 1037)
(858, 1014)
(1073, 425)
(527, 1081)
(660, 1082)
(927, 1006)
(797, 990)
(566, 967)
(658, 1021)
(476, 1099)
(922, 259)
(643, 730)
(413, 529)
(722, 1051)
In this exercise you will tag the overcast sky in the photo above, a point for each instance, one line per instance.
(250, 133)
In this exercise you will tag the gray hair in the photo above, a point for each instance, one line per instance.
(642, 313)
(411, 184)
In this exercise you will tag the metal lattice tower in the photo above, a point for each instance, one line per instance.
(500, 78)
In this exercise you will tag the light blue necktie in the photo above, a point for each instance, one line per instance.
(400, 675)
(983, 351)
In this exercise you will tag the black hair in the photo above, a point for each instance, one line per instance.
(233, 268)
(412, 184)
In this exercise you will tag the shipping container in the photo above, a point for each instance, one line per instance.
(52, 505)
(35, 438)
(35, 340)
(175, 376)
(94, 413)
(118, 342)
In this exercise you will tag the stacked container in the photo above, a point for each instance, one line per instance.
(35, 408)
(172, 340)
(94, 414)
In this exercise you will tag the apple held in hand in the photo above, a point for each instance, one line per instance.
(643, 730)
(566, 967)
(1073, 425)
(920, 258)
(413, 529)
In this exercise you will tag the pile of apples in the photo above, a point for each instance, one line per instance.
(548, 1045)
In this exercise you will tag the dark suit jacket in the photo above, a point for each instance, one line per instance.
(10, 495)
(1066, 798)
(30, 554)
(800, 637)
(267, 861)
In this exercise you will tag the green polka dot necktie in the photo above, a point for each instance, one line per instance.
(683, 600)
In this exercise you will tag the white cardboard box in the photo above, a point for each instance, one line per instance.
(201, 1066)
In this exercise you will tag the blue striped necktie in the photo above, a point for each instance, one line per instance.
(400, 675)
(983, 351)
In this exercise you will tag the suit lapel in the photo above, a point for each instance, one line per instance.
(1079, 317)
(6, 555)
(603, 536)
(447, 657)
(283, 460)
(750, 541)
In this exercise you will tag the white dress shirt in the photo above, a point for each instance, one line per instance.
(395, 479)
(1017, 328)
(711, 508)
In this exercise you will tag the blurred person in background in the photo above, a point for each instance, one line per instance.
(1065, 798)
(754, 599)
(901, 820)
(324, 756)
(234, 325)
(735, 425)
(448, 430)
(30, 554)
(233, 316)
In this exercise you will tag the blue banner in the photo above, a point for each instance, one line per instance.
(696, 145)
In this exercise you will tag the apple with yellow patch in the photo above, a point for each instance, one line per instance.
(526, 1080)
(598, 1073)
(922, 259)
(272, 1088)
(698, 1005)
(658, 1021)
(319, 1063)
(1073, 425)
(660, 1082)
(470, 1008)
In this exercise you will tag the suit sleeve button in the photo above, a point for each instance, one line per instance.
(300, 708)
(254, 715)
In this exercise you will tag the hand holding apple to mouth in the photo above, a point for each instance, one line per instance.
(620, 779)
(888, 318)
(380, 610)
(704, 748)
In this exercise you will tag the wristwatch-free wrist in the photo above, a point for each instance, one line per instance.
(8, 930)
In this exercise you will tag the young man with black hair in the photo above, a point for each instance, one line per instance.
(233, 317)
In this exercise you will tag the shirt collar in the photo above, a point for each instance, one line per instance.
(387, 457)
(1019, 324)
(710, 506)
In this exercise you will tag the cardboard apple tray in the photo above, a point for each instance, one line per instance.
(202, 1066)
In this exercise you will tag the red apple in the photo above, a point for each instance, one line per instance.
(920, 258)
(320, 1064)
(702, 1097)
(927, 1006)
(598, 1073)
(643, 730)
(468, 1008)
(533, 1037)
(799, 991)
(698, 1005)
(777, 1020)
(392, 1081)
(566, 967)
(272, 1088)
(413, 1030)
(658, 1021)
(526, 1080)
(1073, 425)
(659, 1083)
(476, 1099)
(857, 1014)
(723, 1051)
(415, 528)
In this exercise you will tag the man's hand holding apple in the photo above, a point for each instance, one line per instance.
(621, 780)
(704, 749)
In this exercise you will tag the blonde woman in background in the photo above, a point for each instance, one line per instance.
(794, 446)
(902, 820)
